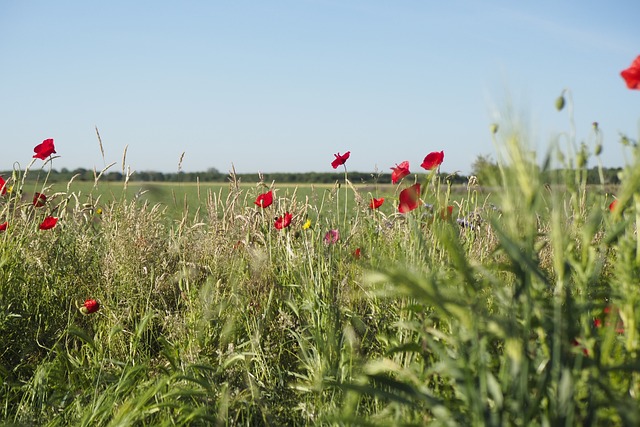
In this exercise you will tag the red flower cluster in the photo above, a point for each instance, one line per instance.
(376, 203)
(340, 159)
(399, 171)
(44, 150)
(283, 221)
(433, 160)
(631, 75)
(264, 200)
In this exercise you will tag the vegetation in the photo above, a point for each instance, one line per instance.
(514, 307)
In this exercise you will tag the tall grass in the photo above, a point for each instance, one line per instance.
(519, 309)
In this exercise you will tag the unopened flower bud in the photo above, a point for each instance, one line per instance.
(493, 128)
(560, 103)
(598, 150)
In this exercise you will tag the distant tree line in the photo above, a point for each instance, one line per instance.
(213, 175)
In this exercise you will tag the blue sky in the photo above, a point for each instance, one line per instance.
(280, 86)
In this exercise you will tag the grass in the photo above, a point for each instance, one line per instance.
(522, 308)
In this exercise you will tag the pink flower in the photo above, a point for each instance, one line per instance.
(433, 160)
(264, 200)
(48, 223)
(340, 159)
(283, 221)
(44, 150)
(399, 171)
(631, 75)
(332, 236)
(409, 198)
(376, 203)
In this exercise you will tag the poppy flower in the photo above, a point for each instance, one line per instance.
(264, 200)
(399, 171)
(356, 253)
(409, 198)
(283, 221)
(340, 159)
(3, 226)
(446, 213)
(332, 236)
(3, 186)
(613, 205)
(90, 306)
(39, 200)
(631, 75)
(376, 203)
(44, 150)
(48, 223)
(433, 160)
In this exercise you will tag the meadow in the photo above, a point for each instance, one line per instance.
(257, 304)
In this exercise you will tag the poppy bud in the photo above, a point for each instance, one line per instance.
(581, 160)
(560, 103)
(493, 128)
(598, 150)
(90, 306)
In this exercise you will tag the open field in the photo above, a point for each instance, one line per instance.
(179, 304)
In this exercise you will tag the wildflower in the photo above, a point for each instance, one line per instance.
(99, 211)
(3, 226)
(409, 198)
(332, 236)
(399, 171)
(433, 160)
(376, 203)
(577, 343)
(48, 223)
(3, 186)
(446, 213)
(90, 306)
(283, 221)
(613, 205)
(631, 75)
(340, 159)
(264, 200)
(356, 253)
(44, 150)
(306, 224)
(39, 200)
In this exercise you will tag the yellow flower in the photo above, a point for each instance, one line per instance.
(307, 224)
(99, 211)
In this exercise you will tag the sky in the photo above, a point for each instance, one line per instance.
(280, 86)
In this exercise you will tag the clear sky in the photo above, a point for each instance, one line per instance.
(280, 86)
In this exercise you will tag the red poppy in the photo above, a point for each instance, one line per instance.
(264, 200)
(3, 186)
(90, 306)
(39, 200)
(613, 205)
(446, 213)
(44, 150)
(399, 171)
(433, 160)
(283, 221)
(631, 75)
(3, 226)
(356, 253)
(409, 198)
(48, 223)
(340, 159)
(376, 203)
